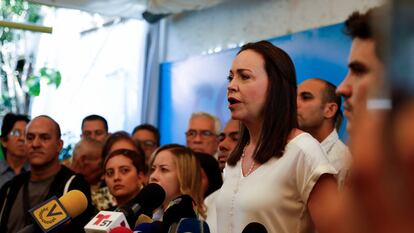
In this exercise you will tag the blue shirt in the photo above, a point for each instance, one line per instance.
(7, 173)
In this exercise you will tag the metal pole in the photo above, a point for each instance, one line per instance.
(24, 26)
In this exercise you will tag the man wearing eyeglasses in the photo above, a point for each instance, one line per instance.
(228, 140)
(12, 141)
(202, 132)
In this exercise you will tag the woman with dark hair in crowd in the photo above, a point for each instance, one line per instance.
(277, 175)
(124, 174)
(124, 167)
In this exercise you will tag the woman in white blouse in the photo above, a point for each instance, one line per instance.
(277, 175)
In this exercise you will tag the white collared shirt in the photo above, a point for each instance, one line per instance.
(338, 155)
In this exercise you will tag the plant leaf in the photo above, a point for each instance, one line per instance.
(33, 83)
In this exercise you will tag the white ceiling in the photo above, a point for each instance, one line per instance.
(132, 8)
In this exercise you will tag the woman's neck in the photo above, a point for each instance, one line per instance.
(123, 200)
(254, 129)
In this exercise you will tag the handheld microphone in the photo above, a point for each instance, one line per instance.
(105, 221)
(192, 225)
(154, 227)
(148, 199)
(54, 212)
(254, 227)
(120, 229)
(143, 219)
(181, 207)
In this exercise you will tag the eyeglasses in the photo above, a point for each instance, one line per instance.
(203, 133)
(234, 136)
(146, 143)
(16, 133)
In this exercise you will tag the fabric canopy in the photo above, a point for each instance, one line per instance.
(131, 8)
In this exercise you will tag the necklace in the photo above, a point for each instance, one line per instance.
(251, 166)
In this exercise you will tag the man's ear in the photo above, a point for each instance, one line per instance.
(3, 142)
(60, 145)
(330, 110)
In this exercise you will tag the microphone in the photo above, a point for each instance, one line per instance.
(148, 199)
(154, 227)
(143, 219)
(120, 229)
(192, 225)
(105, 221)
(254, 227)
(54, 212)
(181, 207)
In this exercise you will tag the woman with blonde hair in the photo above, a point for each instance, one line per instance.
(178, 171)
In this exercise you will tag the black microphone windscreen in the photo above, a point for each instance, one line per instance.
(254, 227)
(154, 227)
(148, 199)
(192, 225)
(181, 207)
(151, 196)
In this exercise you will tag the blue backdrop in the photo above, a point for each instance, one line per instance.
(199, 83)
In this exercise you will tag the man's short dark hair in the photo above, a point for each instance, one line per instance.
(366, 26)
(329, 96)
(95, 117)
(150, 128)
(359, 25)
(8, 122)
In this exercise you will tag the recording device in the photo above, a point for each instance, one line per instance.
(143, 219)
(53, 213)
(153, 227)
(192, 225)
(105, 221)
(148, 199)
(254, 227)
(181, 207)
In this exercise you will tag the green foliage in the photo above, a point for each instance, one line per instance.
(51, 76)
(5, 101)
(25, 12)
(9, 10)
(33, 85)
(33, 13)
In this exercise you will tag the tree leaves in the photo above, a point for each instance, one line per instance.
(51, 76)
(33, 85)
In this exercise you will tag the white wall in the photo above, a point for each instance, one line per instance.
(238, 21)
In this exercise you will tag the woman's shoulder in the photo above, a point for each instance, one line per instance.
(304, 143)
(302, 139)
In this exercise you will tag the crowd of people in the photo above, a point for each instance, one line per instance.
(278, 161)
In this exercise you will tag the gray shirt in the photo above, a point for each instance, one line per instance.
(37, 192)
(7, 173)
